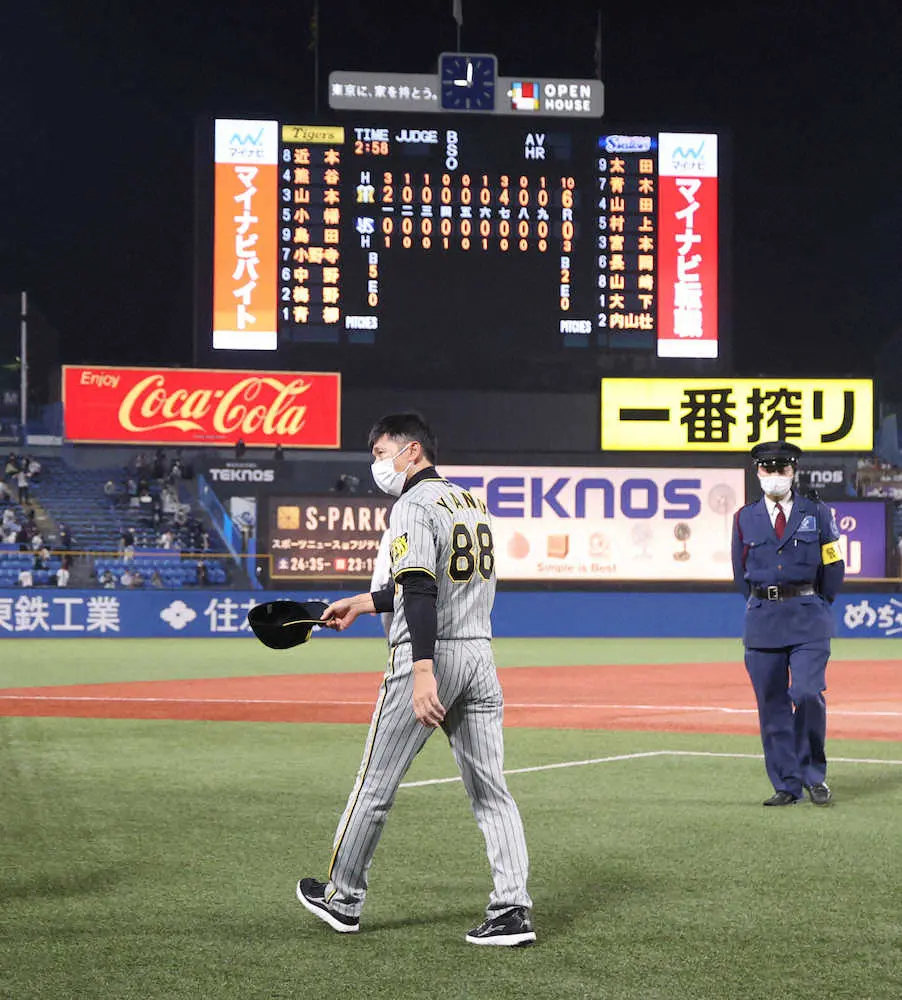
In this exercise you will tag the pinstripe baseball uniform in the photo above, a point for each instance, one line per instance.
(443, 531)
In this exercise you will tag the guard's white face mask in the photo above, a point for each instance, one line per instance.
(776, 487)
(386, 478)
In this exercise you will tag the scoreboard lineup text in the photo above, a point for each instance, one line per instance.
(363, 233)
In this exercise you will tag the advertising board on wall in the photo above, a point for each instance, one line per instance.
(326, 537)
(197, 613)
(201, 406)
(734, 414)
(862, 537)
(568, 524)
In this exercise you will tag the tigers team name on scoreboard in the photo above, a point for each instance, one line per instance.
(708, 414)
(370, 231)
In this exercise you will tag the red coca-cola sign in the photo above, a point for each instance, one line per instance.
(201, 406)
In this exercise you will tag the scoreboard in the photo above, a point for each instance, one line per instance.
(409, 244)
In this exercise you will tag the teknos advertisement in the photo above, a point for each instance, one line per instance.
(201, 406)
(607, 524)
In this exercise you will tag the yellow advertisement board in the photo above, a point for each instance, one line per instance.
(734, 414)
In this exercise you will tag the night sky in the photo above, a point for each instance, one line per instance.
(100, 103)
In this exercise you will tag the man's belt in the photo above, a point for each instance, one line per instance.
(784, 590)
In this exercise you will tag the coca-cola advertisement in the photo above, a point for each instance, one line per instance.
(201, 406)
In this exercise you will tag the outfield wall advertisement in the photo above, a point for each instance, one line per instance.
(564, 524)
(55, 614)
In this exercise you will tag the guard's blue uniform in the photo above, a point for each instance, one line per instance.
(786, 634)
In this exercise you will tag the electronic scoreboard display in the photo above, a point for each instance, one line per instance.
(326, 537)
(386, 244)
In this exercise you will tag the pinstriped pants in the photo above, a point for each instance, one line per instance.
(469, 690)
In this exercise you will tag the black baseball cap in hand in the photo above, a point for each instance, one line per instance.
(283, 624)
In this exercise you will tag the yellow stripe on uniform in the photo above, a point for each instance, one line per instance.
(414, 569)
(831, 553)
(364, 767)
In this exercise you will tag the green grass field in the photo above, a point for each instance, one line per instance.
(148, 859)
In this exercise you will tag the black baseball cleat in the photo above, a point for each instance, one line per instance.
(783, 799)
(510, 929)
(819, 794)
(312, 896)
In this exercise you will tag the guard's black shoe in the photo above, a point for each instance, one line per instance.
(782, 799)
(819, 794)
(312, 896)
(508, 929)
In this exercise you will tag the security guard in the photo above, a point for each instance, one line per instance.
(787, 562)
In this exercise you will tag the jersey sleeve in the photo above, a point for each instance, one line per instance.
(738, 554)
(413, 544)
(382, 567)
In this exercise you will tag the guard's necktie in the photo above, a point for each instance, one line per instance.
(780, 522)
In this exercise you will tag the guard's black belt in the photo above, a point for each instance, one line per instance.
(781, 591)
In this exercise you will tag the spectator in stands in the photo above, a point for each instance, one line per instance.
(25, 578)
(166, 539)
(9, 517)
(10, 533)
(12, 466)
(203, 577)
(279, 454)
(159, 464)
(346, 483)
(37, 541)
(156, 512)
(107, 580)
(138, 580)
(127, 540)
(109, 489)
(127, 580)
(34, 469)
(240, 448)
(65, 538)
(141, 466)
(131, 488)
(22, 483)
(5, 495)
(155, 579)
(42, 558)
(62, 577)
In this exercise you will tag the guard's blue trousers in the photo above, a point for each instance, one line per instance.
(789, 684)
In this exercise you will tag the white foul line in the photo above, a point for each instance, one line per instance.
(540, 706)
(179, 701)
(636, 756)
(540, 767)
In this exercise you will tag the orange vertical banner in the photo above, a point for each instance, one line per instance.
(245, 235)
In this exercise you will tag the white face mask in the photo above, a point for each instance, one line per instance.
(386, 478)
(776, 487)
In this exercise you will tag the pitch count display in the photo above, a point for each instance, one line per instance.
(469, 243)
